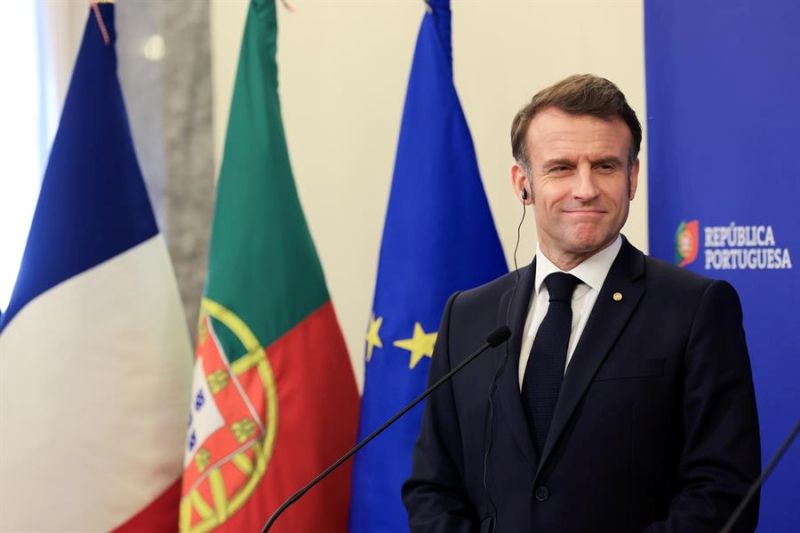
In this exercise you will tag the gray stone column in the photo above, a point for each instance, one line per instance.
(187, 109)
(165, 70)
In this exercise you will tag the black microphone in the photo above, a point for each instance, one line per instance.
(761, 479)
(495, 338)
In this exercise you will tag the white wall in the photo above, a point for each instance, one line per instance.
(38, 43)
(344, 65)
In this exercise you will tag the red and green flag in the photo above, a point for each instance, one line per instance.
(274, 399)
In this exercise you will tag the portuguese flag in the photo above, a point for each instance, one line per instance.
(274, 399)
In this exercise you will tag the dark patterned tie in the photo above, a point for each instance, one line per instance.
(545, 370)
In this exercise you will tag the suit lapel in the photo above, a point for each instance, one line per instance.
(605, 323)
(513, 311)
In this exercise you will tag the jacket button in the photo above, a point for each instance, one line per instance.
(542, 494)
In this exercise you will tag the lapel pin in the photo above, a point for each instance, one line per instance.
(617, 296)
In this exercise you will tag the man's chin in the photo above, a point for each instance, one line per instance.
(590, 244)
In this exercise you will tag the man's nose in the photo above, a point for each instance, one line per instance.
(586, 185)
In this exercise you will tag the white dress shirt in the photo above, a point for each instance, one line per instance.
(592, 273)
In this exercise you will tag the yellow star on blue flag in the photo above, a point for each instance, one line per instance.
(373, 335)
(420, 345)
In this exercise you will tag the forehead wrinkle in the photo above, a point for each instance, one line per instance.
(567, 136)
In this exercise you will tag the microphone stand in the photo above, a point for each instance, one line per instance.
(495, 338)
(760, 481)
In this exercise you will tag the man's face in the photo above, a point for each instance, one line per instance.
(581, 182)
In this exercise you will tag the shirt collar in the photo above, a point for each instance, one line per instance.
(592, 271)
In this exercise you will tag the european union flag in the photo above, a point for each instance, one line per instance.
(439, 237)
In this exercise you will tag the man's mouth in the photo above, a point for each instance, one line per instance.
(584, 212)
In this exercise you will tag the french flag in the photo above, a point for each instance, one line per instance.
(95, 358)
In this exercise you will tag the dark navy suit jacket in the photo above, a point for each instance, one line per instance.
(655, 428)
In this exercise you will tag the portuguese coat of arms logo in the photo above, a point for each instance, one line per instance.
(687, 242)
(232, 423)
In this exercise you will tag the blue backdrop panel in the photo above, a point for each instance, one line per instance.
(724, 180)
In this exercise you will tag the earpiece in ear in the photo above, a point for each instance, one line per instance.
(524, 194)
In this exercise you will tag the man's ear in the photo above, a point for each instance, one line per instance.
(633, 179)
(521, 184)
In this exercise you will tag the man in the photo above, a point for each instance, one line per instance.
(624, 400)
